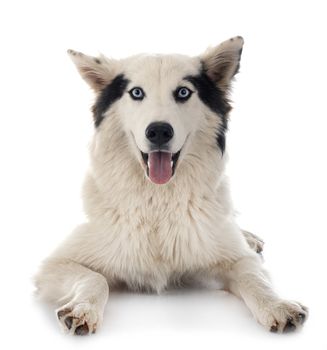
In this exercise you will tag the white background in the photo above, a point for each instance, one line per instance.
(277, 144)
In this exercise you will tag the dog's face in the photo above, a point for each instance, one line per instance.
(163, 100)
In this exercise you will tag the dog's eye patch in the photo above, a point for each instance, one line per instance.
(109, 95)
(214, 98)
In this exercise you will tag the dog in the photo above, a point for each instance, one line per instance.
(156, 196)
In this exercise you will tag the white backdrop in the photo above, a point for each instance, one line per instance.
(277, 145)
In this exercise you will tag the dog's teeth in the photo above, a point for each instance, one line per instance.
(149, 165)
(171, 163)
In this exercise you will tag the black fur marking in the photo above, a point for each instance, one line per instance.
(215, 99)
(108, 96)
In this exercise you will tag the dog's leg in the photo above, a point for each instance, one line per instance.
(248, 280)
(254, 242)
(80, 293)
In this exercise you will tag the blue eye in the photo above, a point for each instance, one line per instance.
(182, 94)
(137, 93)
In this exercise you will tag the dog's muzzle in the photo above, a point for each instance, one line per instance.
(160, 162)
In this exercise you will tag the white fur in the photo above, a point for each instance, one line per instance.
(150, 236)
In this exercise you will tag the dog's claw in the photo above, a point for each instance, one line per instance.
(274, 328)
(301, 318)
(82, 330)
(69, 322)
(289, 326)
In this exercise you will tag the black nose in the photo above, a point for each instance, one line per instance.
(159, 133)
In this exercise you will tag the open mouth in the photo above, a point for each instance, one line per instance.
(160, 165)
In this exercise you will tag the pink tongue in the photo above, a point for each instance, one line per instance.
(160, 170)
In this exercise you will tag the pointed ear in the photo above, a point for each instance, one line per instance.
(222, 62)
(97, 72)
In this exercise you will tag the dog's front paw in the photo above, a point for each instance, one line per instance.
(78, 318)
(285, 316)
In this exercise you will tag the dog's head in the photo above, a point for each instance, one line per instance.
(163, 101)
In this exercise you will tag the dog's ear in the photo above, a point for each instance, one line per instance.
(97, 72)
(222, 62)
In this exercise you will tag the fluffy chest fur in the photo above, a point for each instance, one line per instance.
(146, 234)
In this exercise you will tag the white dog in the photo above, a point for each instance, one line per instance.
(156, 197)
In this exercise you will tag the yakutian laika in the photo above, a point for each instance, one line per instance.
(156, 196)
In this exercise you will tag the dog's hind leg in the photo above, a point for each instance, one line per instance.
(80, 293)
(253, 241)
